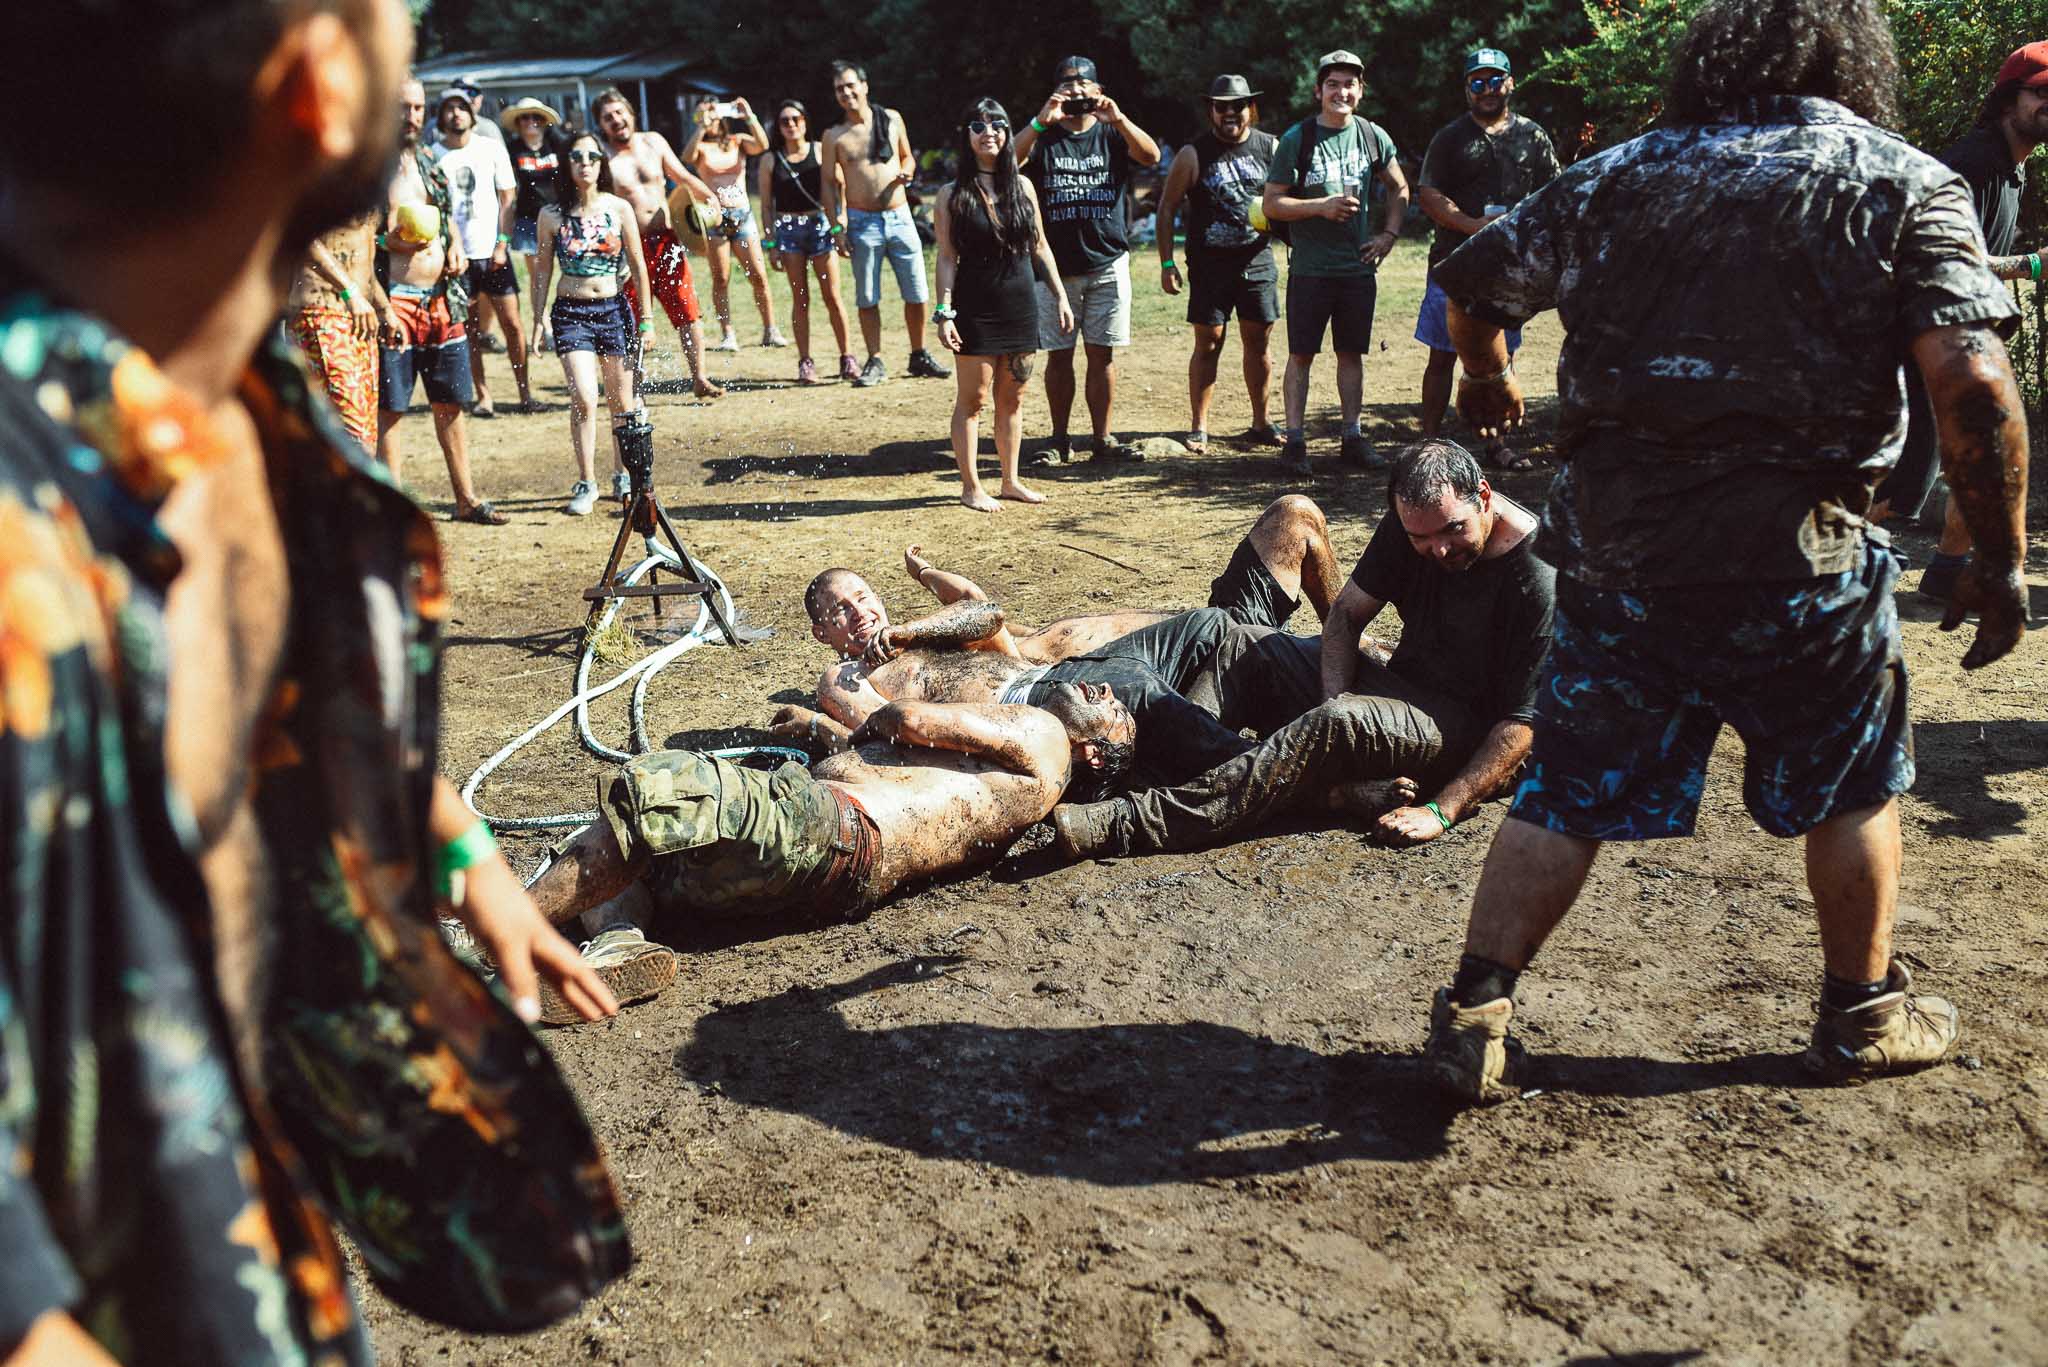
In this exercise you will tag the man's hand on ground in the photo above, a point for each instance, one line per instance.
(1408, 826)
(1999, 598)
(524, 946)
(1491, 408)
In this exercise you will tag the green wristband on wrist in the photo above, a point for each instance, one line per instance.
(2034, 265)
(505, 238)
(1036, 126)
(348, 295)
(1438, 813)
(1167, 264)
(462, 853)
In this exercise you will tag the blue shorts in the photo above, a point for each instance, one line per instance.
(1638, 685)
(604, 326)
(735, 222)
(1434, 332)
(437, 354)
(890, 233)
(803, 234)
(526, 235)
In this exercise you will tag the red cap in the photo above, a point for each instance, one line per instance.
(2028, 66)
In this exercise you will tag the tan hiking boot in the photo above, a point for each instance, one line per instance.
(1893, 1033)
(1085, 830)
(631, 965)
(1469, 1053)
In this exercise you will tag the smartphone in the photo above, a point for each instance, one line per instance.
(1078, 104)
(722, 110)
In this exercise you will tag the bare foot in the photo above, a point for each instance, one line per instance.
(1020, 493)
(914, 563)
(979, 500)
(704, 389)
(1368, 800)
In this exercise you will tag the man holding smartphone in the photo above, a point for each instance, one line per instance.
(1333, 262)
(1079, 152)
(1478, 167)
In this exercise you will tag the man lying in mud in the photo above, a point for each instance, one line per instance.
(1448, 715)
(964, 652)
(918, 789)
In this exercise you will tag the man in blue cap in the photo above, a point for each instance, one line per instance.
(1478, 166)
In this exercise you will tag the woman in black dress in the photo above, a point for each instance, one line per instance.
(991, 249)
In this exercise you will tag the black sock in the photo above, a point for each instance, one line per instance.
(1480, 981)
(1839, 994)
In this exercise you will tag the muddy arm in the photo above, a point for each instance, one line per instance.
(1023, 740)
(950, 628)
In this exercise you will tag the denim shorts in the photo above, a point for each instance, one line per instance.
(735, 223)
(604, 326)
(803, 234)
(1639, 683)
(892, 234)
(1432, 326)
(526, 236)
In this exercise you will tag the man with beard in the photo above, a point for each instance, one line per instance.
(484, 192)
(1992, 160)
(1739, 289)
(225, 1009)
(1230, 263)
(865, 169)
(642, 164)
(424, 263)
(917, 790)
(1446, 716)
(1480, 165)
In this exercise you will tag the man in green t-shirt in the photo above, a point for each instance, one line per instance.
(1332, 265)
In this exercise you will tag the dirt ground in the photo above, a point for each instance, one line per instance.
(1166, 1109)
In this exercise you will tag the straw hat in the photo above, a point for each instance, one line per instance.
(509, 117)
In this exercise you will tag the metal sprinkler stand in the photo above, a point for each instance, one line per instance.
(633, 434)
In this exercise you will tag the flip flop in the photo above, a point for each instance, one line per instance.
(483, 514)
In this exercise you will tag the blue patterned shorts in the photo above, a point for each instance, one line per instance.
(1639, 683)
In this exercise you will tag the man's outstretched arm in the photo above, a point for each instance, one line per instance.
(1490, 766)
(1023, 740)
(1983, 428)
(943, 585)
(951, 627)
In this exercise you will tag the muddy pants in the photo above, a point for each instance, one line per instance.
(1392, 729)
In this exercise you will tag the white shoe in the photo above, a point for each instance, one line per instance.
(729, 342)
(774, 337)
(582, 498)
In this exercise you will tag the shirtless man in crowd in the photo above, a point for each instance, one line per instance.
(642, 164)
(425, 338)
(964, 652)
(865, 165)
(917, 790)
(337, 310)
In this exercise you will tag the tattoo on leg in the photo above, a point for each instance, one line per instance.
(1020, 366)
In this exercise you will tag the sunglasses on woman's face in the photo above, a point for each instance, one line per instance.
(1480, 85)
(587, 158)
(980, 126)
(790, 118)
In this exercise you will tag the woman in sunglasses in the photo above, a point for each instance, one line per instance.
(594, 237)
(991, 248)
(802, 235)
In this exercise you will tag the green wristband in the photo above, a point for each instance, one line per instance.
(469, 849)
(2034, 265)
(1438, 813)
(1036, 126)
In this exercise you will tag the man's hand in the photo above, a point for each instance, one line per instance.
(394, 329)
(1491, 408)
(1999, 598)
(1378, 248)
(362, 319)
(1050, 114)
(501, 254)
(1169, 278)
(525, 947)
(456, 263)
(914, 563)
(1408, 826)
(1338, 208)
(842, 241)
(886, 646)
(1106, 110)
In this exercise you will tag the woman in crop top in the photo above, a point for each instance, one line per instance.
(722, 137)
(991, 246)
(593, 236)
(803, 236)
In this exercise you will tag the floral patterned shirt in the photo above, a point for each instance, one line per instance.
(177, 1208)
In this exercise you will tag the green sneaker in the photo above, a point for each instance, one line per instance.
(1893, 1033)
(631, 965)
(1469, 1053)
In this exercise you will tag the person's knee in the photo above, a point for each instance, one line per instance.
(1060, 363)
(1208, 342)
(1100, 358)
(1290, 520)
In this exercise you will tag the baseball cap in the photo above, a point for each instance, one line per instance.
(1074, 68)
(1488, 59)
(1341, 57)
(2028, 66)
(453, 92)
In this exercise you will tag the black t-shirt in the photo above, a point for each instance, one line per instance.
(1227, 180)
(1479, 635)
(795, 184)
(1473, 168)
(535, 173)
(1982, 159)
(1084, 182)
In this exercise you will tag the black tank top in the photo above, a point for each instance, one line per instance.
(795, 183)
(1227, 180)
(974, 231)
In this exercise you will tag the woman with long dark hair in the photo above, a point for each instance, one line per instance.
(991, 246)
(593, 236)
(803, 235)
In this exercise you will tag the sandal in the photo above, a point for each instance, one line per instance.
(482, 410)
(1197, 442)
(1506, 458)
(483, 514)
(1263, 435)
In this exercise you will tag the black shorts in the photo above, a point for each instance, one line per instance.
(1221, 286)
(604, 326)
(483, 278)
(1249, 593)
(1341, 304)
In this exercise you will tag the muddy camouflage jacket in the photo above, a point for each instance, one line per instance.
(1737, 299)
(175, 1207)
